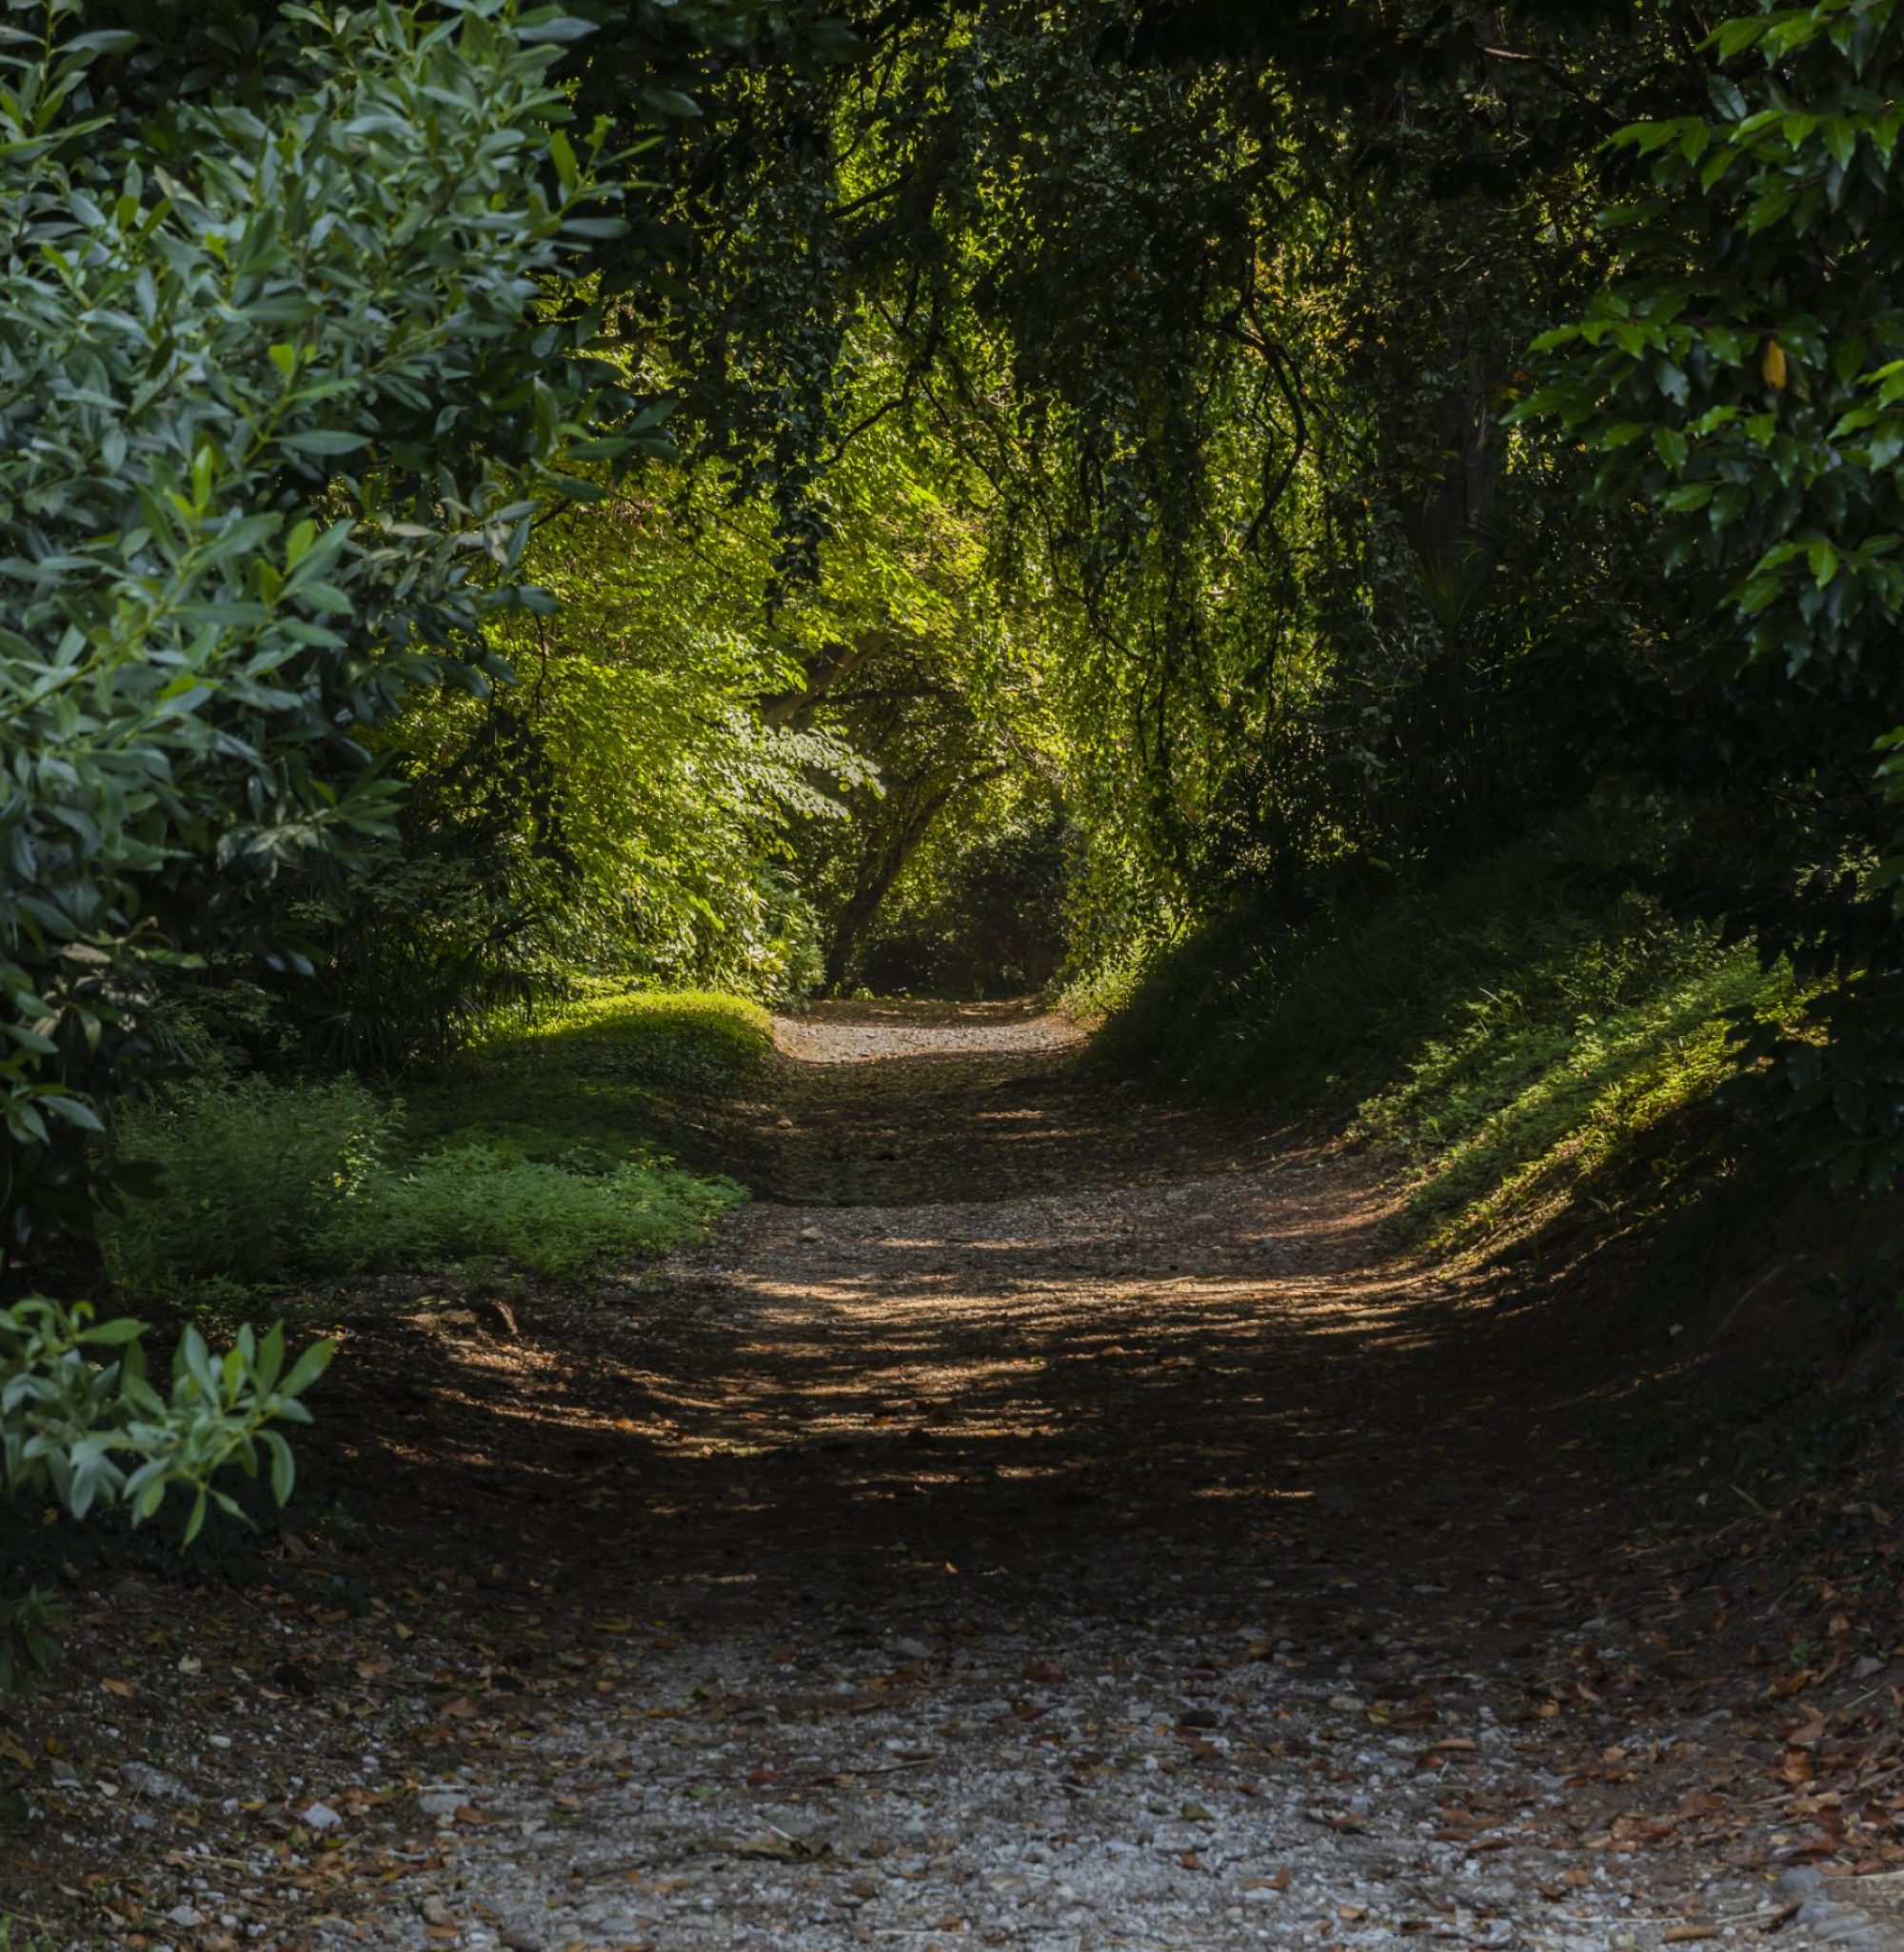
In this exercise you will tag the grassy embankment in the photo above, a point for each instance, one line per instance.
(1522, 1041)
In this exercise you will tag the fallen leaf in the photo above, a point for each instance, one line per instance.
(785, 1850)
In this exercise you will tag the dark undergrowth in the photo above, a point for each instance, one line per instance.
(1509, 1036)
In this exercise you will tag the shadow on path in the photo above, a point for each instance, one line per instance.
(1014, 1384)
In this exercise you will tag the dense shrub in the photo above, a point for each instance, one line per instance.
(1740, 375)
(276, 375)
(252, 1174)
(258, 425)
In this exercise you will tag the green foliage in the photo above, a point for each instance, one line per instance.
(729, 773)
(30, 1641)
(703, 1040)
(670, 793)
(1218, 300)
(273, 381)
(548, 1217)
(558, 1119)
(79, 1419)
(1553, 1079)
(1513, 1032)
(262, 1183)
(595, 1084)
(279, 377)
(1324, 1009)
(740, 770)
(1742, 377)
(978, 914)
(1092, 523)
(609, 1038)
(1743, 371)
(425, 937)
(251, 1175)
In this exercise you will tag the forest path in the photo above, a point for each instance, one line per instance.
(1064, 1527)
(1041, 1521)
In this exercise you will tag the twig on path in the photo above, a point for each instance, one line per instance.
(886, 1769)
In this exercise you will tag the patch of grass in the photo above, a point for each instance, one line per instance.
(695, 1039)
(599, 1072)
(1506, 1119)
(538, 1148)
(252, 1173)
(1319, 1010)
(549, 1218)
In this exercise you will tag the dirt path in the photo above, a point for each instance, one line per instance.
(1058, 1528)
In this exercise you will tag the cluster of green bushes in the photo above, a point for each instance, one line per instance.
(531, 1151)
(284, 396)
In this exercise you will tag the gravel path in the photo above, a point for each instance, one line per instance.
(873, 1033)
(1130, 1558)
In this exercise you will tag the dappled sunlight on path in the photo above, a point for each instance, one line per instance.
(1053, 1523)
(871, 1033)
